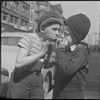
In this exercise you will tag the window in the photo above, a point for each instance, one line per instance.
(22, 23)
(15, 20)
(24, 10)
(4, 16)
(17, 4)
(27, 12)
(14, 6)
(11, 5)
(26, 23)
(5, 4)
(11, 19)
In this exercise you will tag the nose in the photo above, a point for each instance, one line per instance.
(57, 32)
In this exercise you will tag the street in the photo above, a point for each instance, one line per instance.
(49, 95)
(89, 95)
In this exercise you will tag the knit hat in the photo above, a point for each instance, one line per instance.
(79, 25)
(48, 18)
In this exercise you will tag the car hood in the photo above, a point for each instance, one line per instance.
(8, 57)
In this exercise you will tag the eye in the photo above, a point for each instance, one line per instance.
(55, 29)
(66, 33)
(60, 30)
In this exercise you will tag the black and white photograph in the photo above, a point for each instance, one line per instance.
(50, 50)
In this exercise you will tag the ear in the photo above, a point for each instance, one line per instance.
(41, 30)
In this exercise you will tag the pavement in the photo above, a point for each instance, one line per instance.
(92, 95)
(49, 95)
(88, 95)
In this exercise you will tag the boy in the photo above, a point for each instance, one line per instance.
(71, 66)
(26, 79)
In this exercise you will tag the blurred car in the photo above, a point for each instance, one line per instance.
(4, 82)
(9, 48)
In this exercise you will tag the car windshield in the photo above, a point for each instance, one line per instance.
(11, 41)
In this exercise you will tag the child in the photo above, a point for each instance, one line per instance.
(71, 66)
(27, 82)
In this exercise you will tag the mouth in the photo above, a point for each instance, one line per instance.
(53, 40)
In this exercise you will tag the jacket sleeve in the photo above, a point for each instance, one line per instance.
(69, 64)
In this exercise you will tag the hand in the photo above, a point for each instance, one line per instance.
(44, 47)
(63, 43)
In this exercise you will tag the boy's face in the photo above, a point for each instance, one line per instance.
(51, 32)
(66, 34)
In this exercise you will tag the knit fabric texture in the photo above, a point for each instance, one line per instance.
(48, 18)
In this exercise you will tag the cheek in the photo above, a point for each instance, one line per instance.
(69, 39)
(48, 31)
(47, 34)
(60, 34)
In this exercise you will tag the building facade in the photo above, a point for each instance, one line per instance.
(37, 8)
(24, 15)
(14, 16)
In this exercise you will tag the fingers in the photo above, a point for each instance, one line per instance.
(63, 42)
(66, 42)
(47, 42)
(44, 46)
